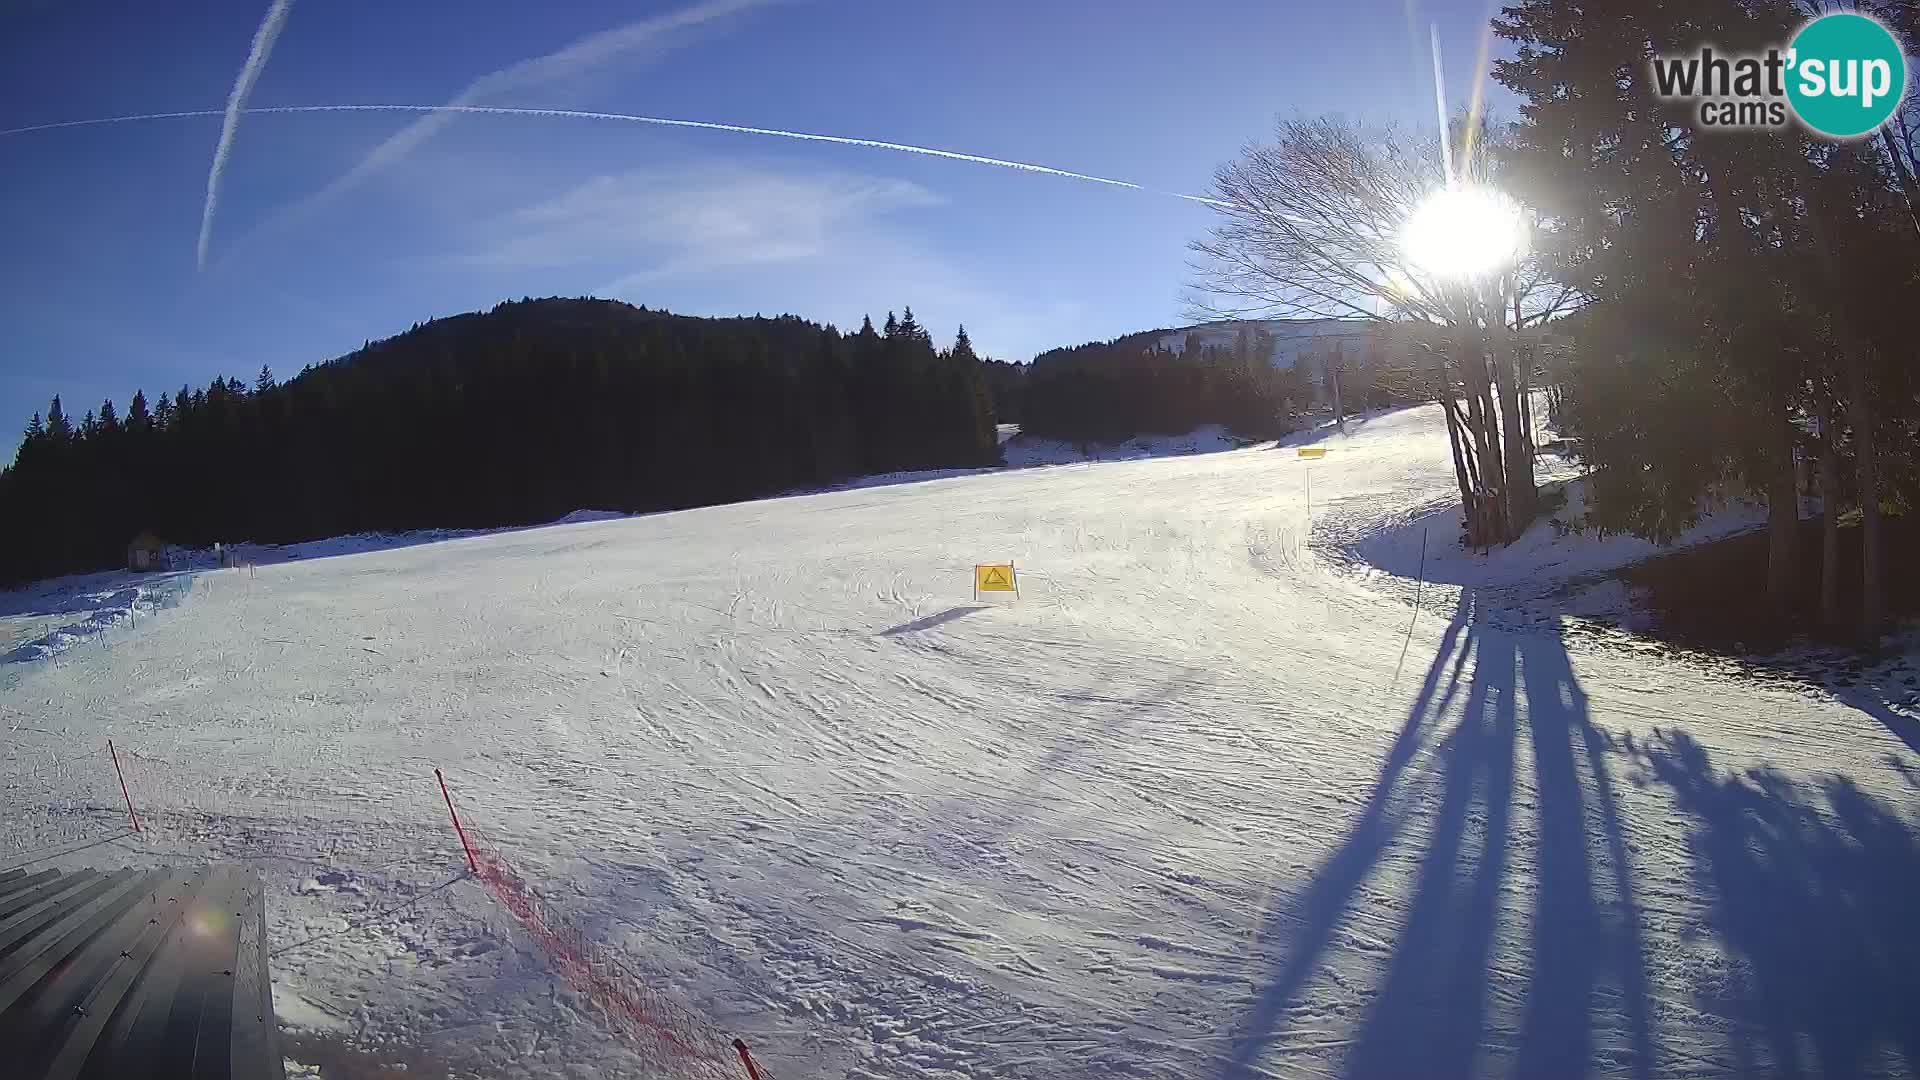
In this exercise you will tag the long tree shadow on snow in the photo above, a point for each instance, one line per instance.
(1451, 819)
(1812, 893)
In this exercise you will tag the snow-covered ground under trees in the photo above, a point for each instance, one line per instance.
(1196, 805)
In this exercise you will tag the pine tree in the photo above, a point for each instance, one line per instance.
(912, 330)
(35, 429)
(264, 381)
(408, 436)
(109, 418)
(892, 329)
(59, 429)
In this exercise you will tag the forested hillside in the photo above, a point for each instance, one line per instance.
(1115, 390)
(515, 415)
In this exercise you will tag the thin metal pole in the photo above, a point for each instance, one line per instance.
(746, 1059)
(1418, 587)
(115, 755)
(472, 863)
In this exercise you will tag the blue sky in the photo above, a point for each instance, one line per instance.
(334, 228)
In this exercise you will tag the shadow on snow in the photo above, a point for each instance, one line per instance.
(1804, 890)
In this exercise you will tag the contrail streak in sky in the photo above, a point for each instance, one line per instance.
(579, 114)
(263, 39)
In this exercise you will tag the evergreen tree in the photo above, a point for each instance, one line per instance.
(962, 346)
(1713, 265)
(58, 428)
(263, 381)
(663, 412)
(912, 330)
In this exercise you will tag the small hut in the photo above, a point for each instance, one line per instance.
(146, 552)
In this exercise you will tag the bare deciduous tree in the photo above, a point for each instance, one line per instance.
(1312, 225)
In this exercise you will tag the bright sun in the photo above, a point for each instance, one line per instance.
(1464, 232)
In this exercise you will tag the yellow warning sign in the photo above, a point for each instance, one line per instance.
(994, 577)
(1313, 451)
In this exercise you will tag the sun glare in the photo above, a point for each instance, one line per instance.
(1464, 232)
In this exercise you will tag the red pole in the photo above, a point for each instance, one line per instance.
(747, 1060)
(472, 863)
(115, 755)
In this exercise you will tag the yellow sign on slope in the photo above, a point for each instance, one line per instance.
(1313, 451)
(994, 577)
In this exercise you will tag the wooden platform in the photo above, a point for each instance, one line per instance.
(135, 973)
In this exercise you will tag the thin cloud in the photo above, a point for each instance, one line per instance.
(703, 125)
(646, 35)
(263, 38)
(685, 220)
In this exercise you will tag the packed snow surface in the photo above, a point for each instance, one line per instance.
(1208, 799)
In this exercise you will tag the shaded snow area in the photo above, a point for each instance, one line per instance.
(53, 616)
(1026, 451)
(1552, 570)
(1207, 799)
(1030, 452)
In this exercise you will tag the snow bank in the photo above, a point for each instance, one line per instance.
(50, 617)
(1543, 553)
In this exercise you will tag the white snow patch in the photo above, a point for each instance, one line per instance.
(49, 617)
(1542, 553)
(1203, 802)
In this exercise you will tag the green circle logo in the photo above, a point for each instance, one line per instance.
(1846, 75)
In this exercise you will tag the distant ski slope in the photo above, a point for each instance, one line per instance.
(1170, 814)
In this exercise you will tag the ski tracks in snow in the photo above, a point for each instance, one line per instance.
(1168, 813)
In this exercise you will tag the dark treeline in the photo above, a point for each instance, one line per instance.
(1007, 388)
(512, 416)
(1113, 391)
(1751, 322)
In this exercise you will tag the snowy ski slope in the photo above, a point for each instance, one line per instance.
(1194, 806)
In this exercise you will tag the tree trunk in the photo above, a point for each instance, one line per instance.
(1339, 406)
(1454, 440)
(1783, 517)
(1829, 523)
(1517, 500)
(1860, 412)
(1487, 525)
